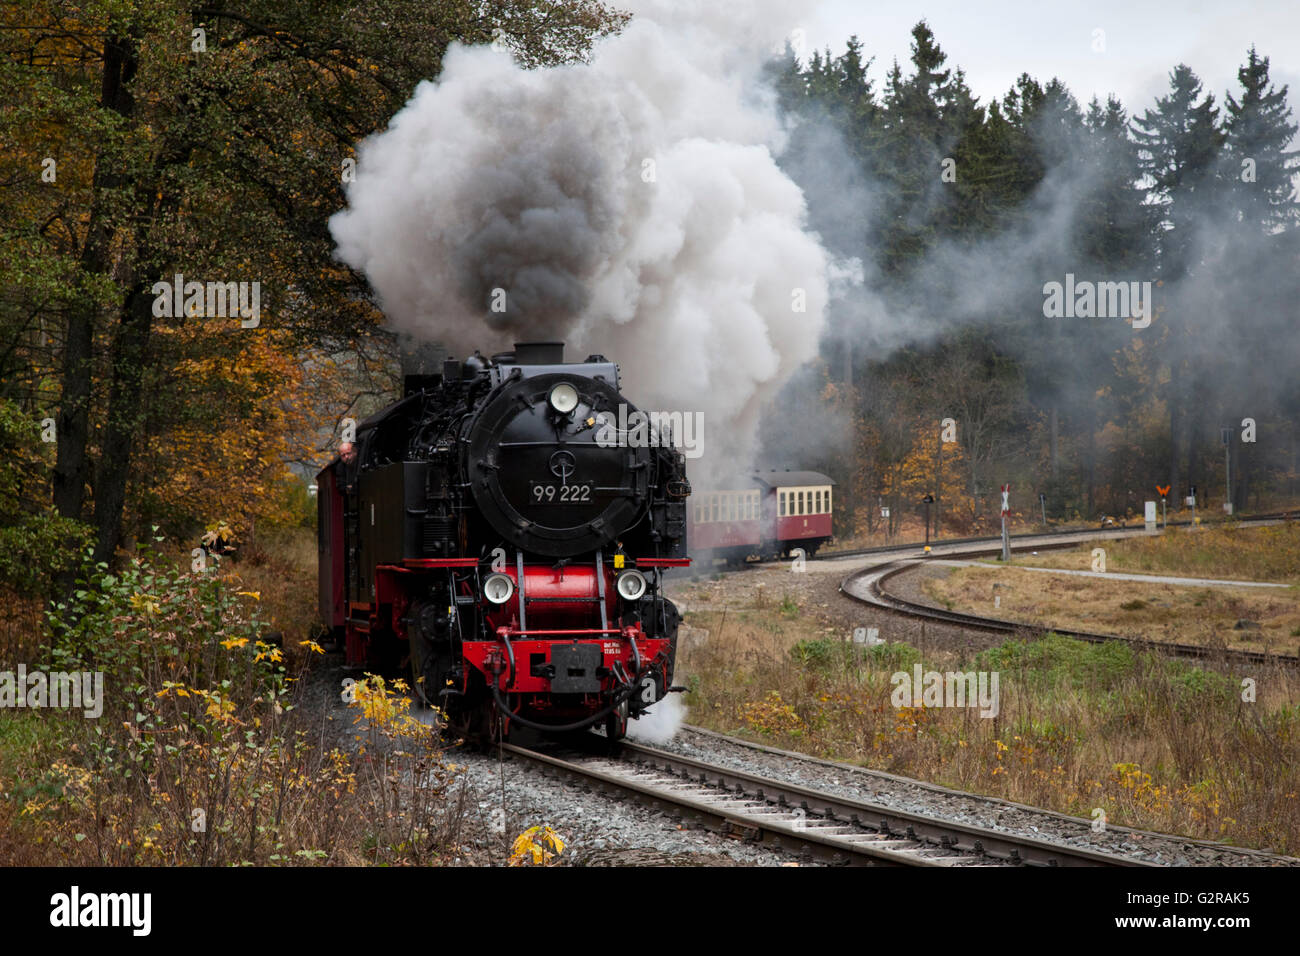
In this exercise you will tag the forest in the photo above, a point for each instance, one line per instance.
(204, 143)
(956, 215)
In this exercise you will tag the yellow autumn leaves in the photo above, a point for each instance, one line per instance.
(539, 845)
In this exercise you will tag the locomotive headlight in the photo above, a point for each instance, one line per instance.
(498, 588)
(631, 585)
(564, 398)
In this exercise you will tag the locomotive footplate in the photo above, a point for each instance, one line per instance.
(576, 667)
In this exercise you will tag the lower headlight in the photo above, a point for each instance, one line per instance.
(498, 588)
(631, 585)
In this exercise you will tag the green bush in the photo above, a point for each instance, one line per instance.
(1057, 660)
(825, 654)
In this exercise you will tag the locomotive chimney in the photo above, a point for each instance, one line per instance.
(539, 353)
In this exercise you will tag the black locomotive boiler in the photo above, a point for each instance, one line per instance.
(496, 531)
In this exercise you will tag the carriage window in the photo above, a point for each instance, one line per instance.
(828, 501)
(800, 505)
(781, 511)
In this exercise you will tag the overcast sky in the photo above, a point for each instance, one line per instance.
(995, 41)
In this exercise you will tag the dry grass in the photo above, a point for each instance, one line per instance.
(1156, 743)
(1176, 613)
(1229, 552)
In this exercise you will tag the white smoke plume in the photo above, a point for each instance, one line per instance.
(630, 206)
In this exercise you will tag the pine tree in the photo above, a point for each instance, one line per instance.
(1258, 129)
(1179, 153)
(1179, 143)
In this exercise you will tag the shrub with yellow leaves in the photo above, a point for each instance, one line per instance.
(538, 846)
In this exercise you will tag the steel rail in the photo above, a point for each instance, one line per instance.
(815, 825)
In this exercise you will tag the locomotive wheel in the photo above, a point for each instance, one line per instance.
(485, 727)
(616, 724)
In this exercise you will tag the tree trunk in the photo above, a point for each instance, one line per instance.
(129, 356)
(1053, 422)
(72, 437)
(1091, 453)
(1175, 428)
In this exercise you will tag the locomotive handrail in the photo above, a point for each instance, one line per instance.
(517, 632)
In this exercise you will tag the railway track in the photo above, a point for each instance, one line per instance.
(817, 826)
(868, 586)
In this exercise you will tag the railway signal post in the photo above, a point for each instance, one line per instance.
(927, 501)
(1164, 506)
(1006, 510)
(1226, 435)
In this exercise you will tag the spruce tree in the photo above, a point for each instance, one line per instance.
(1257, 162)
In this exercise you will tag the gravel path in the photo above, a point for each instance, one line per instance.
(1123, 576)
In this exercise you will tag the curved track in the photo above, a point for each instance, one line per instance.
(817, 825)
(868, 586)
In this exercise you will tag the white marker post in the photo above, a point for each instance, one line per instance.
(1006, 510)
(1226, 435)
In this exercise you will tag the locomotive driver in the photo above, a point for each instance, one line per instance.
(347, 466)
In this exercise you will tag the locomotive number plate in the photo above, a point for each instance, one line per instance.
(551, 493)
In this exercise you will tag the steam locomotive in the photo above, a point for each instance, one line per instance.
(496, 533)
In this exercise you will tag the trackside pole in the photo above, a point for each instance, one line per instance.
(1006, 509)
